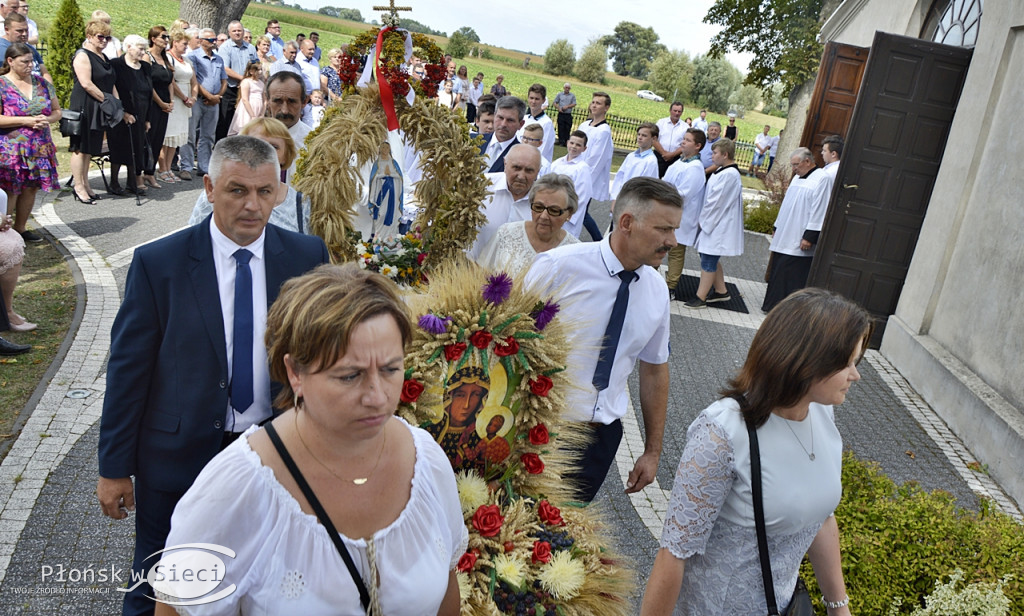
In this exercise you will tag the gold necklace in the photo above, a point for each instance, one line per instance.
(357, 481)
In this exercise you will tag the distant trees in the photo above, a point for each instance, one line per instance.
(469, 33)
(560, 58)
(714, 80)
(632, 49)
(66, 36)
(458, 45)
(340, 13)
(593, 62)
(414, 26)
(671, 75)
(745, 98)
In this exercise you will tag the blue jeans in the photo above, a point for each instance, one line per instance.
(204, 119)
(591, 225)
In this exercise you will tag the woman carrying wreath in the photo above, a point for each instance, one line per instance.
(336, 338)
(802, 361)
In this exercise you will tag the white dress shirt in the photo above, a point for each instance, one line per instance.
(585, 279)
(499, 208)
(495, 148)
(599, 156)
(582, 178)
(225, 264)
(670, 135)
(298, 133)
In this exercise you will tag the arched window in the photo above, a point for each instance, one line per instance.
(953, 22)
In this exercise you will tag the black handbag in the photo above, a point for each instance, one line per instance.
(71, 123)
(800, 605)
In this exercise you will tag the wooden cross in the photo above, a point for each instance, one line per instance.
(393, 10)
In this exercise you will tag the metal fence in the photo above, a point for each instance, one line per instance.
(624, 133)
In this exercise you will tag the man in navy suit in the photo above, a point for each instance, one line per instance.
(188, 369)
(508, 119)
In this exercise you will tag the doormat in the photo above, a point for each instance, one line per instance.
(686, 289)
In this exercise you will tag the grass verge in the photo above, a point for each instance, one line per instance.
(45, 295)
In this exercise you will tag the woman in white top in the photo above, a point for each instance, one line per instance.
(515, 244)
(801, 362)
(286, 213)
(336, 339)
(183, 90)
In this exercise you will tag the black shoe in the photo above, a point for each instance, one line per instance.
(87, 201)
(714, 297)
(30, 236)
(696, 302)
(9, 348)
(135, 190)
(116, 190)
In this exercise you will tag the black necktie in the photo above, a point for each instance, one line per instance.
(241, 354)
(603, 371)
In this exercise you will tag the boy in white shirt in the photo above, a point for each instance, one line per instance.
(533, 135)
(640, 163)
(574, 166)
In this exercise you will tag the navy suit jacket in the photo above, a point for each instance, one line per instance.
(499, 164)
(167, 376)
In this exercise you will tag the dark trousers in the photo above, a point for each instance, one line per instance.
(470, 112)
(564, 126)
(227, 111)
(591, 225)
(595, 460)
(153, 510)
(663, 164)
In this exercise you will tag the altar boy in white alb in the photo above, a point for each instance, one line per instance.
(599, 146)
(640, 163)
(575, 166)
(687, 175)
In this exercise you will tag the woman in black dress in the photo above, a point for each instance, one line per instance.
(127, 140)
(159, 110)
(93, 79)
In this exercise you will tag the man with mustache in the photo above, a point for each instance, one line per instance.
(618, 275)
(286, 97)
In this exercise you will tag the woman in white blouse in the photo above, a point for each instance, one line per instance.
(801, 362)
(515, 244)
(336, 338)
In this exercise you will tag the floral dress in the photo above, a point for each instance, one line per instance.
(333, 80)
(27, 155)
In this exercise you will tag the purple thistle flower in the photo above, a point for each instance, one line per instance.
(498, 288)
(543, 316)
(433, 324)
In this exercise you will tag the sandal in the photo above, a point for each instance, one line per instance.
(168, 178)
(149, 180)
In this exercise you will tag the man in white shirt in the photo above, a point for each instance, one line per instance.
(509, 200)
(476, 90)
(285, 96)
(762, 145)
(831, 152)
(773, 152)
(670, 138)
(309, 66)
(687, 175)
(535, 98)
(702, 122)
(617, 275)
(599, 156)
(508, 119)
(574, 165)
(797, 228)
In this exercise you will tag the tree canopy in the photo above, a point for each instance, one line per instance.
(714, 80)
(458, 45)
(593, 62)
(341, 13)
(560, 58)
(469, 33)
(632, 48)
(782, 35)
(671, 75)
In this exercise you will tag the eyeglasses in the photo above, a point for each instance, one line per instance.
(165, 37)
(209, 40)
(552, 211)
(531, 140)
(103, 38)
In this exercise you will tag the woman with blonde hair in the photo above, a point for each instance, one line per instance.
(336, 506)
(94, 78)
(330, 80)
(291, 210)
(265, 57)
(184, 90)
(113, 47)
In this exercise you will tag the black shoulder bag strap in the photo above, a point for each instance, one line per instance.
(364, 595)
(762, 535)
(298, 211)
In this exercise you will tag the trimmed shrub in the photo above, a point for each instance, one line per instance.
(64, 38)
(759, 216)
(898, 541)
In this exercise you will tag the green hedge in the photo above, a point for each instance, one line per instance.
(760, 216)
(898, 540)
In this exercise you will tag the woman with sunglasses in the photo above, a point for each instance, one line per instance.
(162, 74)
(94, 78)
(552, 201)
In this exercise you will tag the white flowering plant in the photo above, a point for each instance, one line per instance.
(977, 599)
(400, 257)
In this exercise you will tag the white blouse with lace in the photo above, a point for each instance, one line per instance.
(710, 521)
(286, 563)
(510, 248)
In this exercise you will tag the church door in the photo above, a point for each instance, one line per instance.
(895, 143)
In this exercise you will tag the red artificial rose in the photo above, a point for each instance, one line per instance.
(452, 352)
(420, 257)
(541, 551)
(480, 339)
(540, 386)
(539, 434)
(488, 520)
(466, 562)
(411, 390)
(532, 463)
(510, 347)
(549, 514)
